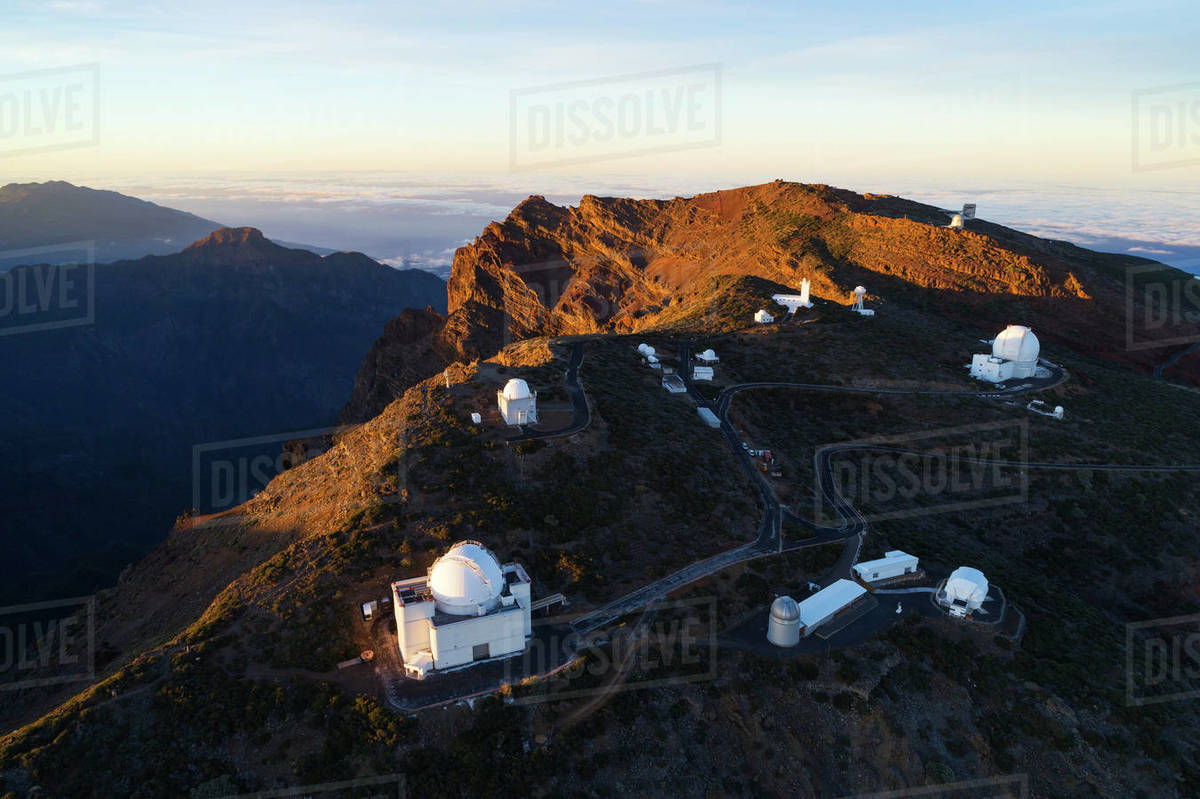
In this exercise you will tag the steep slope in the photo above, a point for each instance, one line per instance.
(233, 337)
(621, 265)
(222, 643)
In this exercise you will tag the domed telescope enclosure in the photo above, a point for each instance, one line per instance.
(1015, 354)
(468, 607)
(858, 307)
(965, 591)
(518, 404)
(783, 623)
(467, 580)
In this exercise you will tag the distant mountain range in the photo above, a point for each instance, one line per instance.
(233, 336)
(36, 219)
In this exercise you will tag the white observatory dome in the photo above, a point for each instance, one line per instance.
(956, 220)
(1018, 344)
(467, 580)
(516, 389)
(968, 586)
(785, 608)
(859, 290)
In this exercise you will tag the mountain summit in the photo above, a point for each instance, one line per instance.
(621, 265)
(233, 237)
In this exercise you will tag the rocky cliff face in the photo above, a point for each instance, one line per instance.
(409, 351)
(623, 265)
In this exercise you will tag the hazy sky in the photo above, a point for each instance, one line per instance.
(856, 94)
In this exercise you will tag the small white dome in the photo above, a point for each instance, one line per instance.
(708, 355)
(516, 389)
(467, 580)
(645, 349)
(1017, 343)
(859, 290)
(784, 608)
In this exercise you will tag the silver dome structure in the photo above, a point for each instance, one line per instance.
(783, 622)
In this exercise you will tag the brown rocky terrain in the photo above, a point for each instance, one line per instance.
(620, 265)
(218, 675)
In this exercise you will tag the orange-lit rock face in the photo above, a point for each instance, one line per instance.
(617, 265)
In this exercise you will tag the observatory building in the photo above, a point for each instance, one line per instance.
(964, 592)
(858, 307)
(793, 302)
(783, 624)
(467, 608)
(958, 221)
(762, 317)
(708, 356)
(518, 405)
(893, 564)
(1014, 354)
(830, 601)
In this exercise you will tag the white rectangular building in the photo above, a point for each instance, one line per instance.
(893, 564)
(702, 373)
(708, 417)
(827, 603)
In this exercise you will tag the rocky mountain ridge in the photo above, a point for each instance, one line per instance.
(621, 265)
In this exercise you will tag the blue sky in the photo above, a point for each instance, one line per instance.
(846, 93)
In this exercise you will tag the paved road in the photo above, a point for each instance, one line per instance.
(851, 526)
(581, 414)
(1158, 370)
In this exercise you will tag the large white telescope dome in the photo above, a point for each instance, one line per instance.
(516, 389)
(467, 580)
(1018, 344)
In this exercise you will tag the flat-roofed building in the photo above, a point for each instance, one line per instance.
(893, 564)
(828, 603)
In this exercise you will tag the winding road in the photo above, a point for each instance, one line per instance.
(851, 526)
(581, 413)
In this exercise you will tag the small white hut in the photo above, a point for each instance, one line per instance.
(762, 317)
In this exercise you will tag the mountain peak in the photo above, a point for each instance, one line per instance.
(233, 237)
